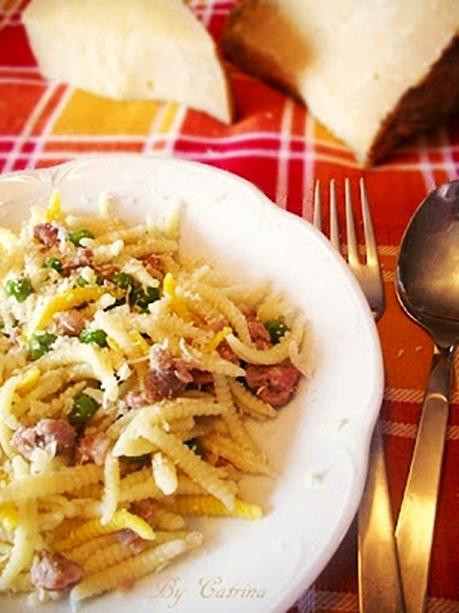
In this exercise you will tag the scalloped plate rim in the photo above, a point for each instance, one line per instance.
(54, 174)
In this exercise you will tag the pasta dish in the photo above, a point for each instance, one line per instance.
(128, 380)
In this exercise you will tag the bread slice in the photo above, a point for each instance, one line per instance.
(130, 49)
(373, 71)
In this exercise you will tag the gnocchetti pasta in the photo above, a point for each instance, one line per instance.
(127, 377)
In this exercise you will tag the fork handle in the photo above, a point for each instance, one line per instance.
(380, 586)
(416, 521)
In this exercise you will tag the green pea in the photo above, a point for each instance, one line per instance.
(18, 288)
(84, 407)
(75, 236)
(94, 336)
(276, 328)
(124, 280)
(195, 445)
(55, 264)
(39, 344)
(81, 281)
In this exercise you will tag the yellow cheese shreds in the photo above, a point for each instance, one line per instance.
(91, 529)
(169, 286)
(66, 301)
(218, 338)
(54, 210)
(114, 345)
(29, 380)
(139, 341)
(9, 516)
(208, 505)
(177, 304)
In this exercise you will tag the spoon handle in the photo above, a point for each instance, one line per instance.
(415, 526)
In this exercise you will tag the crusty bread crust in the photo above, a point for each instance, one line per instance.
(421, 107)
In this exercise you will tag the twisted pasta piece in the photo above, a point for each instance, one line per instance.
(250, 403)
(93, 528)
(191, 464)
(232, 420)
(25, 535)
(226, 307)
(67, 479)
(274, 355)
(134, 568)
(112, 488)
(224, 447)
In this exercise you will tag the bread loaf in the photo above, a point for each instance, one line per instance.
(373, 71)
(130, 49)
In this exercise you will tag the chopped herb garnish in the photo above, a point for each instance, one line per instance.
(144, 298)
(39, 344)
(118, 302)
(18, 288)
(75, 236)
(276, 328)
(124, 280)
(84, 407)
(137, 295)
(94, 336)
(55, 264)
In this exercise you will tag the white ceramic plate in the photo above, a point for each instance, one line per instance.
(318, 444)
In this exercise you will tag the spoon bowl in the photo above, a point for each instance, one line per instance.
(427, 275)
(427, 285)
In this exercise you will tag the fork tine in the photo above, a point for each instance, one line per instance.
(353, 252)
(334, 228)
(317, 214)
(370, 240)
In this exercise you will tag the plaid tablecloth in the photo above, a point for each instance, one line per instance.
(276, 144)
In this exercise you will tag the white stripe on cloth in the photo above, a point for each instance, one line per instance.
(401, 430)
(175, 128)
(154, 135)
(284, 155)
(244, 139)
(212, 154)
(15, 153)
(53, 117)
(400, 394)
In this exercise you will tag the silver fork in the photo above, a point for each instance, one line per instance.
(380, 588)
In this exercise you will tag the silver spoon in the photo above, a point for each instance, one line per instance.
(427, 284)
